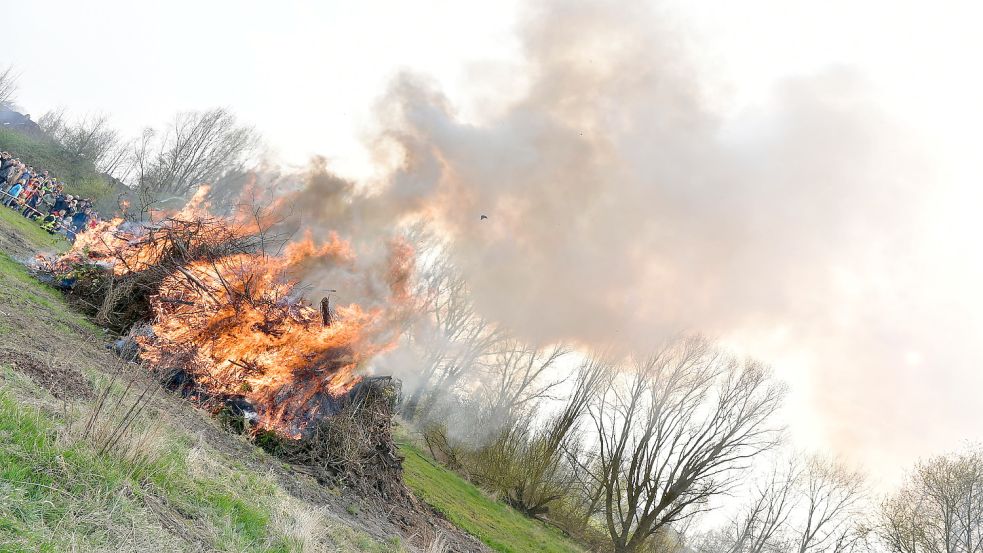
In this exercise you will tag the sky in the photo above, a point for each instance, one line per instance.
(798, 179)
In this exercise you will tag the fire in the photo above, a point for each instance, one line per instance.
(132, 247)
(231, 320)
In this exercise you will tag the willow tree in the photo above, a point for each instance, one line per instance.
(674, 430)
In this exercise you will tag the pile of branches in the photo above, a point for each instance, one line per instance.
(355, 448)
(114, 279)
(117, 279)
(94, 289)
(355, 445)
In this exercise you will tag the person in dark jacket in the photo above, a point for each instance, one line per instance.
(79, 220)
(61, 203)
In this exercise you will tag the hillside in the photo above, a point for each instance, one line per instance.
(494, 523)
(177, 481)
(80, 177)
(184, 485)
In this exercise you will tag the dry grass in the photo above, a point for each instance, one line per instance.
(116, 423)
(312, 529)
(438, 545)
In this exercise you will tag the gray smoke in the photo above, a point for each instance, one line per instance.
(625, 207)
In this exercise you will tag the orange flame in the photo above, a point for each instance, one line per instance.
(235, 323)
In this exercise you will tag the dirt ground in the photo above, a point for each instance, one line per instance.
(12, 243)
(59, 380)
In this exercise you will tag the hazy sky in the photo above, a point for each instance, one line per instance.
(882, 343)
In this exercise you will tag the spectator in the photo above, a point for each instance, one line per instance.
(79, 220)
(65, 228)
(30, 200)
(38, 195)
(50, 221)
(48, 200)
(61, 202)
(11, 197)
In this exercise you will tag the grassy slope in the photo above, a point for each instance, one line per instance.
(494, 523)
(59, 481)
(79, 176)
(29, 232)
(58, 493)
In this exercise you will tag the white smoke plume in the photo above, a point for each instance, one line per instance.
(624, 206)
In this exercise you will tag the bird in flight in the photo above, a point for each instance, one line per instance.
(483, 217)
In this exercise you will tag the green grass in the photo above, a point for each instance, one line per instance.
(47, 487)
(31, 232)
(44, 486)
(29, 290)
(79, 175)
(23, 281)
(32, 297)
(494, 523)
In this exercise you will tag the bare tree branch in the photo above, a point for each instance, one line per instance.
(197, 148)
(940, 508)
(8, 87)
(673, 431)
(832, 502)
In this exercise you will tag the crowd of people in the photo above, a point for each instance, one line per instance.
(39, 196)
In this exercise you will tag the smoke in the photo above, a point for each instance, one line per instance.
(625, 205)
(622, 207)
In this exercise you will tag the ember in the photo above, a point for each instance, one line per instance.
(227, 323)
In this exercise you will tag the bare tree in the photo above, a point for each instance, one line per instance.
(53, 121)
(833, 496)
(533, 468)
(8, 87)
(811, 506)
(516, 376)
(761, 527)
(197, 148)
(940, 508)
(451, 336)
(89, 137)
(118, 161)
(675, 430)
(585, 498)
(902, 521)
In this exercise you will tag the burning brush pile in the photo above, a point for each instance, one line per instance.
(222, 321)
